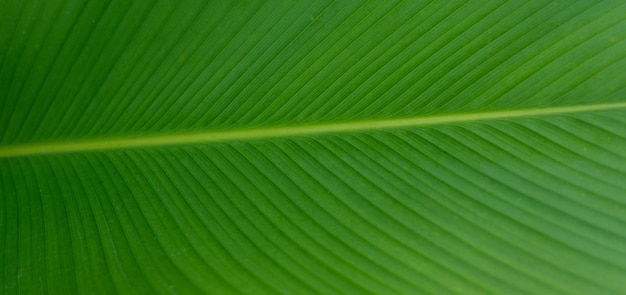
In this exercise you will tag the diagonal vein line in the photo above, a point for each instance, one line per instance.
(285, 131)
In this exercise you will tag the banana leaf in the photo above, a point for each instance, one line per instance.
(312, 147)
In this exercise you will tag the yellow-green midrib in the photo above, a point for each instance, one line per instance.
(213, 136)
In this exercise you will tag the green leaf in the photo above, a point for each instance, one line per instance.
(296, 147)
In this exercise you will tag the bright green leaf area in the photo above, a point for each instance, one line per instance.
(312, 147)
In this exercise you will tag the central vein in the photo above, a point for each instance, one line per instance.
(287, 131)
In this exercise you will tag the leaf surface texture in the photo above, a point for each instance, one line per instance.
(313, 147)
